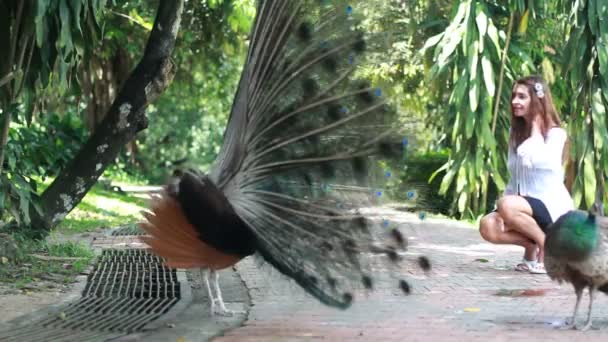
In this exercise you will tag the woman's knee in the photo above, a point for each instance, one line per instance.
(489, 226)
(509, 205)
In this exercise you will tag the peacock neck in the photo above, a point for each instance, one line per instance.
(580, 238)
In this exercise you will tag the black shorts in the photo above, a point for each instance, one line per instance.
(540, 213)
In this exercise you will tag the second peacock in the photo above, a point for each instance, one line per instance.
(576, 252)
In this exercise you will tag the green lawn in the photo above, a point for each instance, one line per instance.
(100, 208)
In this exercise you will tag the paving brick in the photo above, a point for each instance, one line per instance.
(461, 298)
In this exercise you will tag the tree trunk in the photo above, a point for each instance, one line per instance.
(125, 118)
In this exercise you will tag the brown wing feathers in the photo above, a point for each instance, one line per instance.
(173, 238)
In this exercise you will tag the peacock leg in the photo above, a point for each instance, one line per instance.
(591, 297)
(222, 310)
(205, 273)
(571, 323)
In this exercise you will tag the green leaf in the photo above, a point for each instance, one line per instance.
(41, 29)
(470, 124)
(462, 201)
(474, 94)
(65, 38)
(493, 34)
(589, 178)
(434, 40)
(523, 23)
(500, 183)
(481, 19)
(459, 89)
(448, 178)
(478, 159)
(602, 14)
(592, 16)
(12, 161)
(548, 71)
(76, 6)
(450, 46)
(24, 208)
(598, 114)
(473, 60)
(602, 54)
(461, 178)
(488, 73)
(487, 137)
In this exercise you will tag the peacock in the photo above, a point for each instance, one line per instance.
(576, 252)
(299, 158)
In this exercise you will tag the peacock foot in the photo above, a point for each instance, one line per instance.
(220, 309)
(570, 324)
(586, 327)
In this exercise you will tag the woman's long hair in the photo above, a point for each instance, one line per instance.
(539, 106)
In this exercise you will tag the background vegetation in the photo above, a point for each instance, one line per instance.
(449, 68)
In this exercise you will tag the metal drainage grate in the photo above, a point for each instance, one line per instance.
(128, 230)
(127, 290)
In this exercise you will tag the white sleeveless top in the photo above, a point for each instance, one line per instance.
(536, 171)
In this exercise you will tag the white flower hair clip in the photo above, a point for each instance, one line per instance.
(539, 90)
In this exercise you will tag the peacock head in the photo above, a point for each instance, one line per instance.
(594, 211)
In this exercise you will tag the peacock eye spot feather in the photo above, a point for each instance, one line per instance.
(424, 263)
(405, 287)
(359, 165)
(366, 97)
(351, 59)
(332, 282)
(350, 245)
(361, 223)
(347, 297)
(330, 64)
(367, 282)
(359, 45)
(390, 150)
(327, 171)
(327, 246)
(310, 87)
(304, 32)
(398, 237)
(334, 112)
(392, 255)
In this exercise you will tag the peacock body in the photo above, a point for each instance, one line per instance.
(576, 252)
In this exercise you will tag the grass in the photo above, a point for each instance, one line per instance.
(100, 208)
(31, 269)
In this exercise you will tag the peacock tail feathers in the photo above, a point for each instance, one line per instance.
(302, 153)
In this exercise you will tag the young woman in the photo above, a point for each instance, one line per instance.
(535, 195)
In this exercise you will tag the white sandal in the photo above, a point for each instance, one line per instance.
(525, 265)
(538, 268)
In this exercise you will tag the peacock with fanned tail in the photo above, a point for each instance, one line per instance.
(576, 252)
(294, 167)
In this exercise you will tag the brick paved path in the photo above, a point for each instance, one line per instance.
(463, 298)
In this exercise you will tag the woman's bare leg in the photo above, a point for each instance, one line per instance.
(517, 214)
(492, 228)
